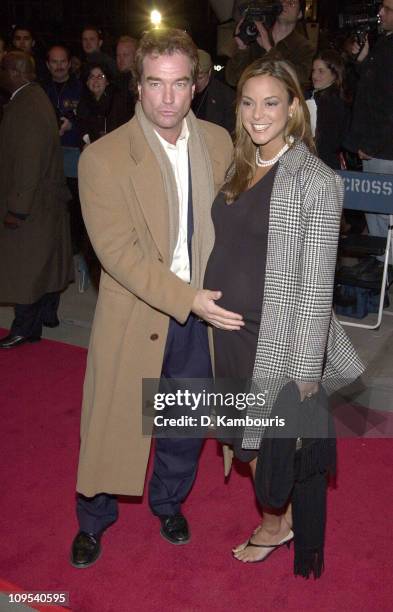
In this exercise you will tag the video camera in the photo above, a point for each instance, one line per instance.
(265, 11)
(361, 18)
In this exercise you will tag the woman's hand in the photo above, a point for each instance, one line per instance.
(307, 390)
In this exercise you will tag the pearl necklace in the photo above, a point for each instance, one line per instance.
(262, 163)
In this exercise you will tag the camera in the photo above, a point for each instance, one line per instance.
(360, 18)
(265, 11)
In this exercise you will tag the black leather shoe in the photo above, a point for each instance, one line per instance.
(86, 549)
(11, 341)
(175, 529)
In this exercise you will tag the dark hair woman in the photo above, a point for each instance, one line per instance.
(96, 117)
(94, 113)
(329, 111)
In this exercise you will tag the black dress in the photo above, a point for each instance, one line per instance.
(237, 268)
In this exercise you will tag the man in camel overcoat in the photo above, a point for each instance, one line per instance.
(146, 192)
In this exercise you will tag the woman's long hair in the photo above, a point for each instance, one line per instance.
(243, 167)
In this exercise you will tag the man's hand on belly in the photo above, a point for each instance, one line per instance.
(204, 306)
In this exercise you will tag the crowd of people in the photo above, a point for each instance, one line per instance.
(203, 240)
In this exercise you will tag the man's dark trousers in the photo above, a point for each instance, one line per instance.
(176, 459)
(30, 317)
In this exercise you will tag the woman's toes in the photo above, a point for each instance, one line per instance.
(245, 556)
(239, 556)
(240, 547)
(244, 544)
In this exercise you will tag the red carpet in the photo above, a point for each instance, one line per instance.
(40, 401)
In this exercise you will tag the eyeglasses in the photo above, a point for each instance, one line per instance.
(96, 77)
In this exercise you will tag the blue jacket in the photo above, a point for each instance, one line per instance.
(65, 101)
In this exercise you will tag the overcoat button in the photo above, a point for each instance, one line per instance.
(160, 259)
(154, 337)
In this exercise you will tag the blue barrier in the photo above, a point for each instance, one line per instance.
(70, 161)
(368, 191)
(373, 193)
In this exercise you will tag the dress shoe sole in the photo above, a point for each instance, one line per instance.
(172, 541)
(16, 344)
(86, 565)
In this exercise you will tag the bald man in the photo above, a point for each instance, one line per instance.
(213, 100)
(35, 246)
(125, 89)
(64, 91)
(125, 53)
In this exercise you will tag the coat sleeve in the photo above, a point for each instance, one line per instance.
(239, 61)
(332, 124)
(380, 103)
(316, 273)
(115, 240)
(296, 50)
(31, 145)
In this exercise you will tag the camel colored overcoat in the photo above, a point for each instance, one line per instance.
(126, 215)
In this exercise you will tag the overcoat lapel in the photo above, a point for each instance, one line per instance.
(146, 179)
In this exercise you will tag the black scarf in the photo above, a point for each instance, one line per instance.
(293, 465)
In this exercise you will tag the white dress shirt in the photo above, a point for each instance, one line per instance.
(178, 157)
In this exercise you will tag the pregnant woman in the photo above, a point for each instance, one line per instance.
(277, 223)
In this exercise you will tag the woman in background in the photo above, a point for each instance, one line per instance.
(329, 111)
(277, 222)
(95, 118)
(94, 113)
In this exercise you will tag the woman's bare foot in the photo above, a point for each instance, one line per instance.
(287, 517)
(265, 543)
(242, 546)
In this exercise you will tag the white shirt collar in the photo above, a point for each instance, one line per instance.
(184, 135)
(19, 89)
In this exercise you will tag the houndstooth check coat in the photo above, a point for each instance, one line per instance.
(299, 337)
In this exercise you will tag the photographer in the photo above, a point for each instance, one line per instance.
(282, 41)
(371, 134)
